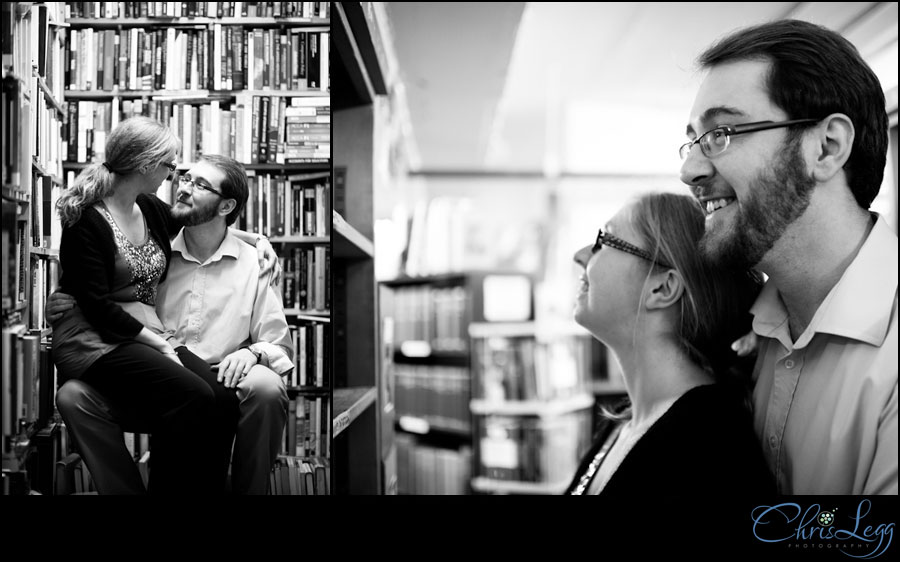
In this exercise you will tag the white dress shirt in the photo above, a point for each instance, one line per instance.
(218, 306)
(825, 406)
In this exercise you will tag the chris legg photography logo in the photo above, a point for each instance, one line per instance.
(817, 527)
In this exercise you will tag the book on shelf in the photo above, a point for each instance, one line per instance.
(251, 128)
(288, 205)
(523, 368)
(532, 449)
(300, 475)
(305, 432)
(201, 57)
(423, 469)
(116, 10)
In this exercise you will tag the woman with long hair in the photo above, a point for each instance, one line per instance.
(669, 317)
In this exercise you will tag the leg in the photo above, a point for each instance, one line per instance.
(173, 404)
(226, 411)
(97, 431)
(263, 408)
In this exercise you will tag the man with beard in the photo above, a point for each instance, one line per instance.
(791, 200)
(222, 310)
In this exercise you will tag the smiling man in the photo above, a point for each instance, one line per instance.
(788, 137)
(221, 309)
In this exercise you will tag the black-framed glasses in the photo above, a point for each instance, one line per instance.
(715, 141)
(606, 239)
(187, 182)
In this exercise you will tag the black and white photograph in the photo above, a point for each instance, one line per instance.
(638, 250)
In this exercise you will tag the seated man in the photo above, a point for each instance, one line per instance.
(216, 303)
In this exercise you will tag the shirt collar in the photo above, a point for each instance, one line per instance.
(858, 307)
(229, 247)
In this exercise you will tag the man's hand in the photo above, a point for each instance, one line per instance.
(235, 367)
(57, 305)
(268, 260)
(746, 344)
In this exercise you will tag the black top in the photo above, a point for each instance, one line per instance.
(703, 446)
(87, 255)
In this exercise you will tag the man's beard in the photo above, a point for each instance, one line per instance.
(776, 199)
(196, 215)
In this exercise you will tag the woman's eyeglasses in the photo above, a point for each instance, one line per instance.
(606, 239)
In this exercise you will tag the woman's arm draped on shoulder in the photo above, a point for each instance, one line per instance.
(86, 275)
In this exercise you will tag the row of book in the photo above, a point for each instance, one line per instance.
(14, 263)
(28, 382)
(117, 10)
(250, 129)
(433, 315)
(223, 57)
(438, 394)
(312, 354)
(532, 449)
(44, 280)
(300, 476)
(427, 470)
(306, 279)
(46, 228)
(306, 430)
(522, 368)
(293, 205)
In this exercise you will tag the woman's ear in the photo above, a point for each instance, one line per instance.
(663, 290)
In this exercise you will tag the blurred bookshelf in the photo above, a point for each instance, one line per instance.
(364, 453)
(531, 407)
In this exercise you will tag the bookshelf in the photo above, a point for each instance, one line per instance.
(532, 407)
(246, 80)
(32, 121)
(364, 455)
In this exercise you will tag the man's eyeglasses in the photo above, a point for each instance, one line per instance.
(606, 239)
(715, 141)
(188, 183)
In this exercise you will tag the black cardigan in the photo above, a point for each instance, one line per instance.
(704, 446)
(87, 255)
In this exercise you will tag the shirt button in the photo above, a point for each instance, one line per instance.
(789, 364)
(773, 441)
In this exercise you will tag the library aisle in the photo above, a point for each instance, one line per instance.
(478, 150)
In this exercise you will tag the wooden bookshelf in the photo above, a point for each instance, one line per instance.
(349, 243)
(34, 114)
(186, 94)
(103, 23)
(349, 404)
(310, 240)
(364, 459)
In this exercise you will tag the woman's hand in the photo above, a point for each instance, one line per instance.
(173, 355)
(746, 344)
(57, 306)
(268, 259)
